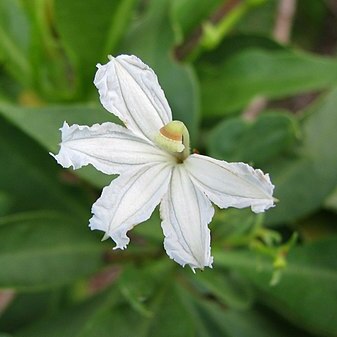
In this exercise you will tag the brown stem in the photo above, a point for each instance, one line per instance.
(284, 20)
(6, 297)
(332, 6)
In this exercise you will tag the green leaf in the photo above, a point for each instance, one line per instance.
(230, 323)
(50, 69)
(121, 321)
(45, 250)
(229, 86)
(331, 201)
(29, 176)
(74, 321)
(138, 285)
(5, 203)
(114, 317)
(303, 180)
(254, 142)
(27, 307)
(260, 19)
(213, 319)
(152, 39)
(42, 124)
(151, 229)
(167, 319)
(309, 165)
(307, 291)
(229, 289)
(14, 40)
(90, 31)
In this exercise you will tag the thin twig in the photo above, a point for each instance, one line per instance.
(6, 297)
(284, 20)
(254, 108)
(332, 6)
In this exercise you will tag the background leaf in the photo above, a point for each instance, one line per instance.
(30, 306)
(85, 23)
(303, 180)
(45, 125)
(229, 86)
(307, 290)
(27, 167)
(212, 319)
(14, 40)
(236, 139)
(213, 59)
(73, 322)
(46, 250)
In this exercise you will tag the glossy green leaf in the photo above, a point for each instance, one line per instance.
(42, 124)
(152, 39)
(303, 180)
(253, 142)
(229, 86)
(307, 291)
(90, 31)
(46, 250)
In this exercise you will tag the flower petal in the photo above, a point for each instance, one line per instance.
(109, 147)
(129, 200)
(129, 89)
(186, 212)
(231, 184)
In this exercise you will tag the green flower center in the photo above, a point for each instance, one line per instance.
(174, 138)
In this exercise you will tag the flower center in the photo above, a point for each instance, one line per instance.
(174, 138)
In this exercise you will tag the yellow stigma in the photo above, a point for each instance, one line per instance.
(174, 137)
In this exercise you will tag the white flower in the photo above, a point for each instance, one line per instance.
(151, 156)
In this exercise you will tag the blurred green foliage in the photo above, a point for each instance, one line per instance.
(213, 59)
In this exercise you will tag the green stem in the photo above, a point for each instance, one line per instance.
(212, 33)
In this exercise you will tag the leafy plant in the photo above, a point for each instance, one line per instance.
(273, 275)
